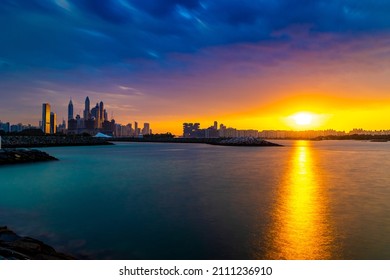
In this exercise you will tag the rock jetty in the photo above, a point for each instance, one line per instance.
(244, 141)
(15, 156)
(15, 247)
(51, 141)
(240, 141)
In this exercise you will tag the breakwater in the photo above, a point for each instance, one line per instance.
(51, 141)
(16, 156)
(240, 141)
(244, 141)
(15, 247)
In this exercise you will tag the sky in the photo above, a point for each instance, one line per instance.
(246, 63)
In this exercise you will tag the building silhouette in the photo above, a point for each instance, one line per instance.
(53, 123)
(70, 110)
(191, 130)
(87, 112)
(46, 117)
(146, 129)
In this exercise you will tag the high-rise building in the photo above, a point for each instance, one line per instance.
(191, 130)
(105, 115)
(87, 112)
(146, 129)
(215, 125)
(136, 129)
(70, 110)
(101, 113)
(46, 117)
(53, 123)
(95, 112)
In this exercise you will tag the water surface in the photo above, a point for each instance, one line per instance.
(307, 200)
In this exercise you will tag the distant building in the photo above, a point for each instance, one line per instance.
(211, 132)
(46, 118)
(17, 127)
(62, 127)
(95, 113)
(5, 126)
(53, 123)
(87, 112)
(101, 113)
(146, 129)
(72, 126)
(136, 130)
(70, 110)
(191, 130)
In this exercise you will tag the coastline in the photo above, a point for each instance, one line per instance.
(15, 247)
(51, 141)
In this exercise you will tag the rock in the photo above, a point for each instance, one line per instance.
(13, 156)
(244, 141)
(12, 246)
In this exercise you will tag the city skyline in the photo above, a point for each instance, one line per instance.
(251, 64)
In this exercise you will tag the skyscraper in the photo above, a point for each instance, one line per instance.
(87, 112)
(146, 129)
(136, 132)
(70, 110)
(53, 123)
(101, 115)
(95, 112)
(46, 117)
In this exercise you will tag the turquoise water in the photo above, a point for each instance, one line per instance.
(307, 200)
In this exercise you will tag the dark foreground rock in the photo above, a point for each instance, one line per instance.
(15, 247)
(15, 156)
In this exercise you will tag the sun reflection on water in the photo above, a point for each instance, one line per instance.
(301, 228)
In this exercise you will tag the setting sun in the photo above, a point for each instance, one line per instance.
(302, 118)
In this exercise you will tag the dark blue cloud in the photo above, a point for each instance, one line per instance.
(163, 8)
(110, 10)
(68, 34)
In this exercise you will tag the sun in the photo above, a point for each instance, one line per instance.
(303, 118)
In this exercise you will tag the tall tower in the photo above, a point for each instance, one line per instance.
(46, 117)
(136, 132)
(53, 123)
(101, 107)
(95, 112)
(87, 111)
(70, 110)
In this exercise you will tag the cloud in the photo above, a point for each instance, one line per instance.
(64, 34)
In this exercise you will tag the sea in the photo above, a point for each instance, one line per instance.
(305, 200)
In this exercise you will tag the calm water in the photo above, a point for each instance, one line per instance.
(307, 200)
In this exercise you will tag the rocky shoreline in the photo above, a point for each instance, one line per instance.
(16, 156)
(240, 141)
(51, 141)
(15, 247)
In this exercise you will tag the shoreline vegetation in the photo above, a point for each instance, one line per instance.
(15, 247)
